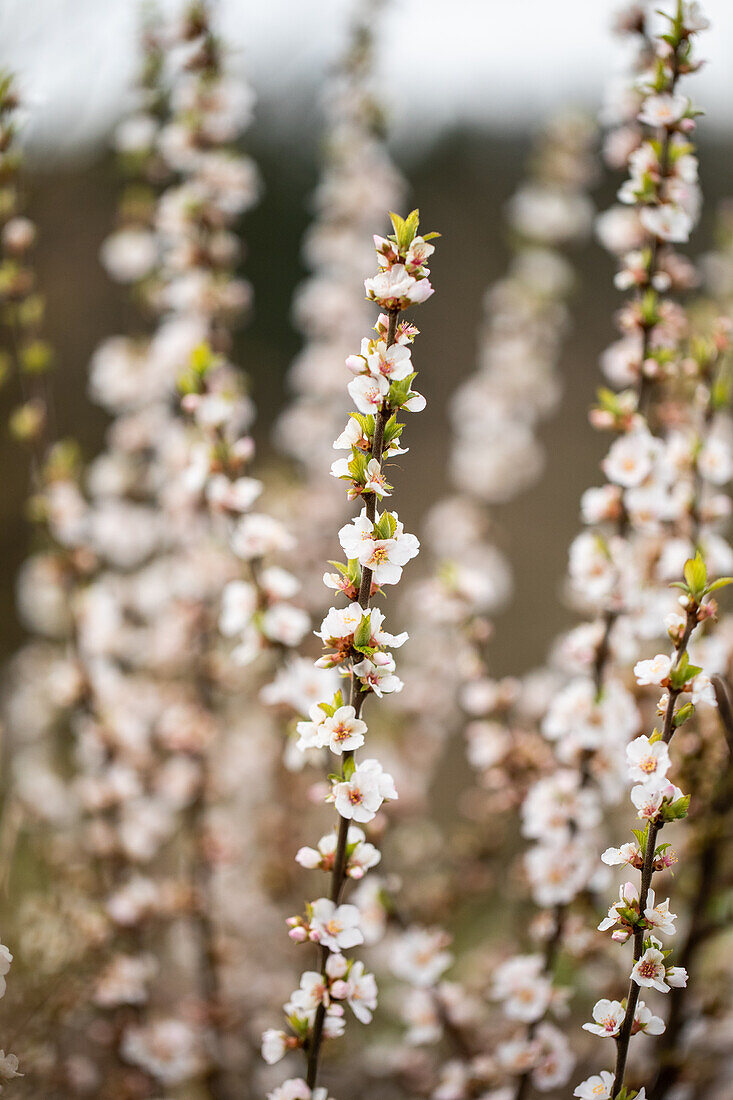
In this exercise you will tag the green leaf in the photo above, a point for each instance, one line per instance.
(392, 430)
(682, 715)
(363, 632)
(381, 527)
(696, 575)
(641, 836)
(722, 582)
(677, 809)
(201, 359)
(358, 465)
(349, 767)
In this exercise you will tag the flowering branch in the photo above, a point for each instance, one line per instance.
(377, 548)
(714, 836)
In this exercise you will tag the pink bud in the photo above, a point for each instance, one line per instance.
(340, 989)
(298, 935)
(600, 419)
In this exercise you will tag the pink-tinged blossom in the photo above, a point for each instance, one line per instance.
(523, 988)
(628, 854)
(703, 691)
(377, 674)
(385, 557)
(650, 971)
(343, 731)
(659, 916)
(668, 222)
(360, 992)
(647, 760)
(258, 536)
(295, 1088)
(628, 899)
(607, 1019)
(168, 1049)
(420, 956)
(392, 363)
(359, 797)
(361, 856)
(368, 392)
(654, 671)
(274, 1046)
(663, 110)
(335, 926)
(630, 459)
(646, 1021)
(648, 800)
(396, 289)
(599, 1087)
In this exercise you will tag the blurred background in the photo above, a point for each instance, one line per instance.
(465, 86)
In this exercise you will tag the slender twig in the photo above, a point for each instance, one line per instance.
(701, 927)
(356, 700)
(647, 873)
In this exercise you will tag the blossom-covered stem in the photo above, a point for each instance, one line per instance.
(700, 927)
(356, 700)
(357, 696)
(647, 872)
(665, 134)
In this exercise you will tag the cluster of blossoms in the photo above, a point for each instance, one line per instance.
(141, 560)
(592, 718)
(662, 501)
(358, 183)
(689, 1054)
(376, 548)
(137, 735)
(494, 455)
(638, 914)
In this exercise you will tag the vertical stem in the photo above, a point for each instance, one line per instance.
(647, 873)
(356, 700)
(700, 925)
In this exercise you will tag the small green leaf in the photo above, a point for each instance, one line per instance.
(676, 810)
(696, 575)
(682, 715)
(363, 632)
(722, 582)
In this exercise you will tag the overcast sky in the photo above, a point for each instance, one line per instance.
(502, 62)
